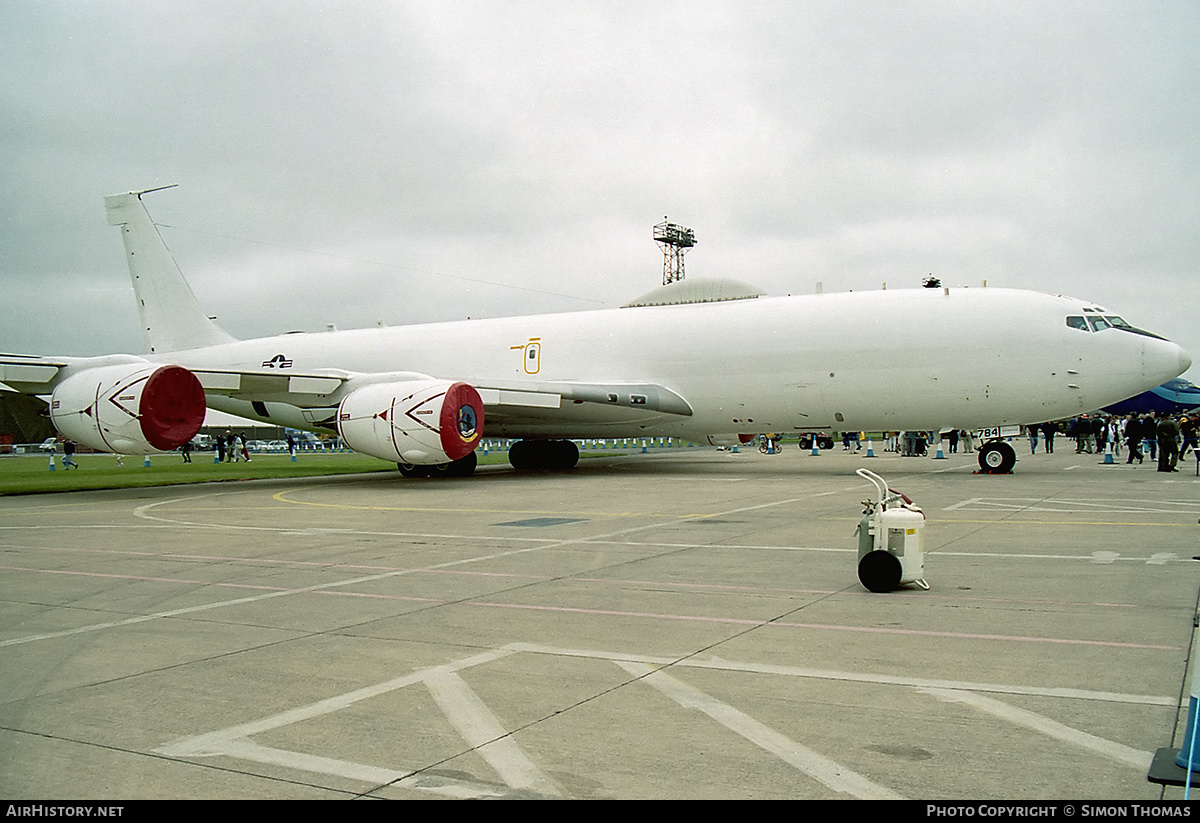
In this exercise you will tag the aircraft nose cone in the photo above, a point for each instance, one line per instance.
(1174, 359)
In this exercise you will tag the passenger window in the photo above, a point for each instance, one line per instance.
(1077, 323)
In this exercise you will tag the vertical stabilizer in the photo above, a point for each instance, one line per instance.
(170, 314)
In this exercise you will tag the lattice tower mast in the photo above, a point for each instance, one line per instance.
(674, 240)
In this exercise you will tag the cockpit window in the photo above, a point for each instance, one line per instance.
(1109, 321)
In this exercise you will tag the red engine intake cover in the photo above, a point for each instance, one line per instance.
(461, 423)
(172, 407)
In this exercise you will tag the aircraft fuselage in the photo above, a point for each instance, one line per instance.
(885, 360)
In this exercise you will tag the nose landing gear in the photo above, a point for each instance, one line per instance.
(997, 457)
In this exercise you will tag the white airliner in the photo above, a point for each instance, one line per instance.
(701, 360)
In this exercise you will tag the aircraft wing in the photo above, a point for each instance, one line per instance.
(30, 374)
(325, 388)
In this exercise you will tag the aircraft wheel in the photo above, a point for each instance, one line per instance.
(997, 458)
(565, 455)
(543, 455)
(464, 467)
(879, 571)
(523, 455)
(409, 470)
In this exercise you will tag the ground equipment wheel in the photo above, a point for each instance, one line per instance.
(879, 571)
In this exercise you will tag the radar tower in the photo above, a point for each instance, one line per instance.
(674, 240)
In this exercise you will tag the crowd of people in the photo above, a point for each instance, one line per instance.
(230, 447)
(1162, 436)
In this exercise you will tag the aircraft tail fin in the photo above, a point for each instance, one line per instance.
(171, 316)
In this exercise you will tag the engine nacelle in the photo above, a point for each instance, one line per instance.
(729, 439)
(129, 408)
(422, 422)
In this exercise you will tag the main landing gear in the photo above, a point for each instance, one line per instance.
(464, 467)
(525, 455)
(997, 457)
(543, 455)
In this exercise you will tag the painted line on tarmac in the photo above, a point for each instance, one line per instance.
(480, 729)
(772, 623)
(1065, 505)
(281, 497)
(483, 732)
(478, 726)
(1102, 558)
(1098, 557)
(722, 664)
(820, 768)
(463, 510)
(142, 511)
(210, 743)
(1125, 755)
(329, 589)
(256, 598)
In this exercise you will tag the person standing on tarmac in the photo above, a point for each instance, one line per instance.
(1048, 430)
(1168, 445)
(1149, 429)
(1134, 437)
(1187, 428)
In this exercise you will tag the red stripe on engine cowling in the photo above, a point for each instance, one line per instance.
(172, 407)
(461, 423)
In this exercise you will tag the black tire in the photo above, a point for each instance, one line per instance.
(522, 455)
(997, 458)
(464, 467)
(879, 571)
(565, 455)
(543, 455)
(409, 470)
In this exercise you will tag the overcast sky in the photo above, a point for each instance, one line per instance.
(398, 162)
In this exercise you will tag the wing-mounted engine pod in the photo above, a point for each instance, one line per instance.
(422, 423)
(729, 439)
(129, 409)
